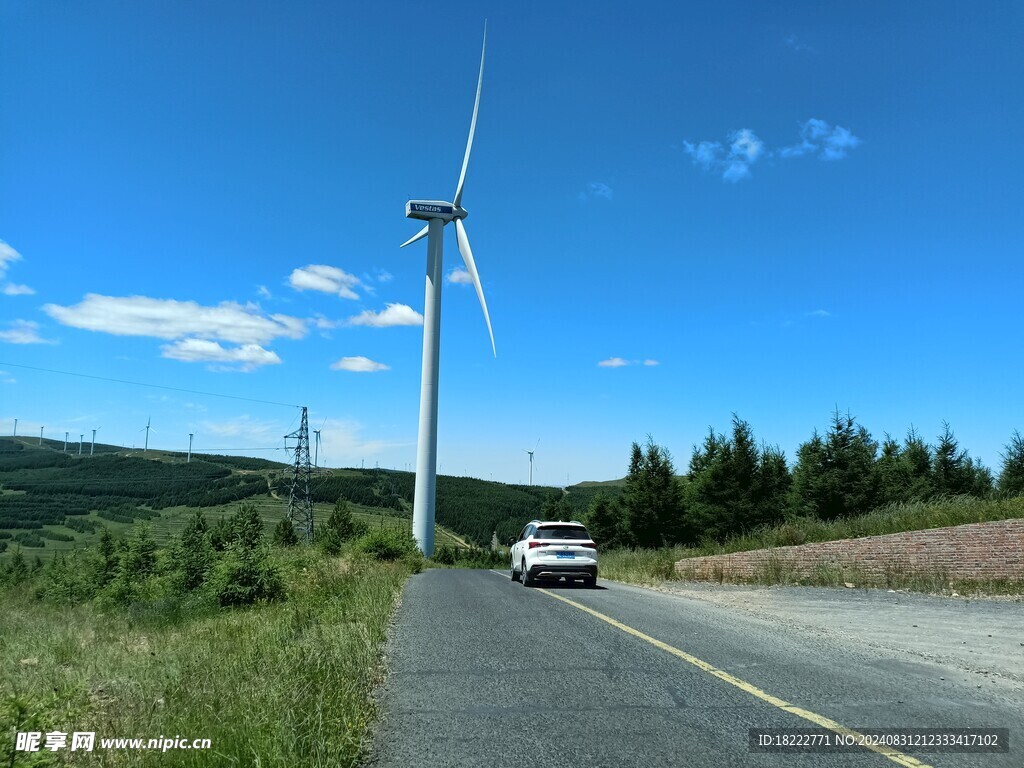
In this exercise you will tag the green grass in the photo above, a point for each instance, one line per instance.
(282, 684)
(646, 566)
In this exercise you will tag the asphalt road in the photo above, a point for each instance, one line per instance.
(486, 672)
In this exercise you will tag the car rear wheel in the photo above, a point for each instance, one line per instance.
(590, 582)
(515, 574)
(525, 576)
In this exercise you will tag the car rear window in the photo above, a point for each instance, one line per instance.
(563, 532)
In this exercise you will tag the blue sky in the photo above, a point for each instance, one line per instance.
(768, 209)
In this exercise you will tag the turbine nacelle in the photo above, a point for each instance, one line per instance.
(434, 209)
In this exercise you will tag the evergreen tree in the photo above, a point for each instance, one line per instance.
(893, 473)
(247, 526)
(108, 559)
(17, 569)
(284, 534)
(606, 523)
(651, 497)
(1011, 478)
(192, 558)
(837, 477)
(771, 487)
(917, 460)
(138, 561)
(951, 472)
(221, 534)
(339, 528)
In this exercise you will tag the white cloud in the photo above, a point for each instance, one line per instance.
(383, 276)
(829, 142)
(12, 289)
(263, 291)
(326, 279)
(792, 41)
(461, 276)
(7, 256)
(819, 313)
(744, 150)
(394, 314)
(244, 431)
(170, 319)
(342, 442)
(6, 378)
(247, 357)
(359, 364)
(597, 189)
(23, 332)
(619, 362)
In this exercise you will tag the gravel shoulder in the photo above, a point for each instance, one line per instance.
(981, 636)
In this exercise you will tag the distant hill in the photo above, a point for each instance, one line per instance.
(49, 498)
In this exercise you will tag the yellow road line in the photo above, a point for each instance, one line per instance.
(897, 757)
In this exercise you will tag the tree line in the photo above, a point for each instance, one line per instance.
(734, 485)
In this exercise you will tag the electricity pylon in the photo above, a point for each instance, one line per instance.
(300, 502)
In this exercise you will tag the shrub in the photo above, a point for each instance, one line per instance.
(388, 544)
(284, 534)
(245, 576)
(339, 528)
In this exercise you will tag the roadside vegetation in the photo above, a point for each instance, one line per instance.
(740, 496)
(269, 649)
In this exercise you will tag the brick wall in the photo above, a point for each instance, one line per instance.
(975, 552)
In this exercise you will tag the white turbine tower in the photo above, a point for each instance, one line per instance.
(189, 459)
(92, 448)
(316, 450)
(531, 458)
(437, 213)
(147, 428)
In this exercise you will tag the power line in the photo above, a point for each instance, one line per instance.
(144, 384)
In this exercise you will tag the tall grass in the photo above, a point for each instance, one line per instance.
(280, 684)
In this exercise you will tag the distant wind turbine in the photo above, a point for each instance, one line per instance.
(189, 459)
(66, 441)
(15, 428)
(40, 435)
(147, 428)
(531, 458)
(92, 448)
(438, 213)
(316, 450)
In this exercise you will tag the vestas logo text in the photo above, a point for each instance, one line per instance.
(431, 208)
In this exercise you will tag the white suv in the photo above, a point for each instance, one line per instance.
(552, 549)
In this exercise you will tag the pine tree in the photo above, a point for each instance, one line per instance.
(772, 487)
(284, 534)
(893, 473)
(606, 523)
(1011, 478)
(192, 557)
(108, 560)
(339, 528)
(917, 458)
(247, 526)
(837, 477)
(951, 473)
(651, 497)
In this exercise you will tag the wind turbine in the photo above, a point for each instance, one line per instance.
(15, 428)
(41, 435)
(147, 428)
(189, 459)
(92, 448)
(66, 441)
(531, 458)
(438, 213)
(316, 450)
(81, 439)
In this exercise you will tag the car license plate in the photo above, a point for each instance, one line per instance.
(566, 555)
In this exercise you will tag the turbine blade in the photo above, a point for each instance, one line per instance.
(472, 124)
(418, 236)
(467, 256)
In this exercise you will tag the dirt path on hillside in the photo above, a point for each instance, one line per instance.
(983, 636)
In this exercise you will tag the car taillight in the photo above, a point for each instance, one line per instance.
(590, 545)
(534, 544)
